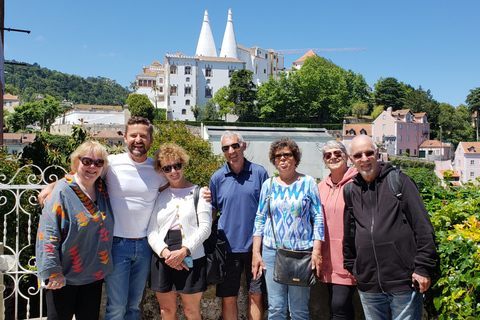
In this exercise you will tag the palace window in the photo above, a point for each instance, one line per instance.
(188, 69)
(208, 92)
(173, 69)
(208, 72)
(173, 90)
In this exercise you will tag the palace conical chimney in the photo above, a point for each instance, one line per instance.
(229, 44)
(206, 44)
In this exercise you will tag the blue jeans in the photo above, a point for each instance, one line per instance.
(124, 287)
(282, 297)
(397, 306)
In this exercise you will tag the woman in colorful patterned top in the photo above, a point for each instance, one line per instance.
(74, 238)
(297, 213)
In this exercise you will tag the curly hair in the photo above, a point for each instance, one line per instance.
(169, 151)
(285, 143)
(89, 145)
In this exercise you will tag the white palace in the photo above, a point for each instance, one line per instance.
(185, 81)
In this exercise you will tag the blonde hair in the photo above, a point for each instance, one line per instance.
(89, 145)
(169, 151)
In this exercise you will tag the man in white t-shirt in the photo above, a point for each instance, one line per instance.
(132, 186)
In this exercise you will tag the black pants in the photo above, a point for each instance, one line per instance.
(340, 301)
(82, 301)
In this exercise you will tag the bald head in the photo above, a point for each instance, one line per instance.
(363, 154)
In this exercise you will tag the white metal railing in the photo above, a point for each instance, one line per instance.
(19, 293)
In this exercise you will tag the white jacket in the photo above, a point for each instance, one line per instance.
(193, 234)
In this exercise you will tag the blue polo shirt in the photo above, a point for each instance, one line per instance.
(236, 197)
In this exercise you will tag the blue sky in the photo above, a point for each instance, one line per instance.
(433, 44)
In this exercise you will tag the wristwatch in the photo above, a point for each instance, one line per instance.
(189, 253)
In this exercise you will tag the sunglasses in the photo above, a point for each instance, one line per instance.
(235, 146)
(368, 154)
(176, 166)
(336, 154)
(288, 155)
(86, 161)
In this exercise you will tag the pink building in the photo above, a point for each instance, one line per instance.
(467, 161)
(401, 131)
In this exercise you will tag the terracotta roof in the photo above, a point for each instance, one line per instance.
(155, 63)
(310, 53)
(220, 59)
(434, 144)
(401, 112)
(8, 96)
(149, 74)
(468, 145)
(419, 115)
(451, 173)
(25, 137)
(109, 134)
(357, 127)
(86, 106)
(250, 50)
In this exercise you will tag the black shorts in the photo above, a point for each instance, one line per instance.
(165, 279)
(236, 263)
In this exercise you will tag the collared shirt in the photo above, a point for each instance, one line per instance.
(236, 197)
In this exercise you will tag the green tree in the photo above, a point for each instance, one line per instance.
(241, 92)
(141, 106)
(418, 100)
(323, 90)
(455, 123)
(360, 109)
(278, 100)
(473, 100)
(377, 111)
(357, 89)
(390, 92)
(44, 112)
(133, 85)
(203, 163)
(225, 106)
(209, 111)
(196, 112)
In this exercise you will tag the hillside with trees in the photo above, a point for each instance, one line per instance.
(30, 80)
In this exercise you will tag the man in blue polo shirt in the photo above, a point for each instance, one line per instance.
(235, 192)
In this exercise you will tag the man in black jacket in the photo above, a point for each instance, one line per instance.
(390, 248)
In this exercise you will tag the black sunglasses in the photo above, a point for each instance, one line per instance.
(336, 153)
(86, 161)
(235, 146)
(368, 154)
(176, 166)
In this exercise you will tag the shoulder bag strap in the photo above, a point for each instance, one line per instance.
(196, 195)
(270, 212)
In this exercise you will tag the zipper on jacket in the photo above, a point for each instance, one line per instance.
(373, 240)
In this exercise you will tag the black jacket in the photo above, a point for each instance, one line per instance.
(387, 248)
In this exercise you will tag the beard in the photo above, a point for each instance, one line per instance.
(137, 153)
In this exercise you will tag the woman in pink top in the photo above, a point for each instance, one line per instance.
(340, 283)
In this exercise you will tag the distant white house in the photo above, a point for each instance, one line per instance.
(10, 102)
(435, 150)
(467, 161)
(15, 142)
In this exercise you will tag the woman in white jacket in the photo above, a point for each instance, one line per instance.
(176, 234)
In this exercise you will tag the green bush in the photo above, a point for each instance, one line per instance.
(455, 215)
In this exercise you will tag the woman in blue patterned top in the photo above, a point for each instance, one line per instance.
(298, 219)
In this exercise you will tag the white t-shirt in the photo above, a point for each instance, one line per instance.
(133, 189)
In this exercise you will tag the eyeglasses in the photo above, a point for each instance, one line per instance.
(86, 161)
(176, 166)
(235, 146)
(288, 155)
(368, 154)
(336, 154)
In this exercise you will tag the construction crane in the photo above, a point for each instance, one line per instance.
(300, 51)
